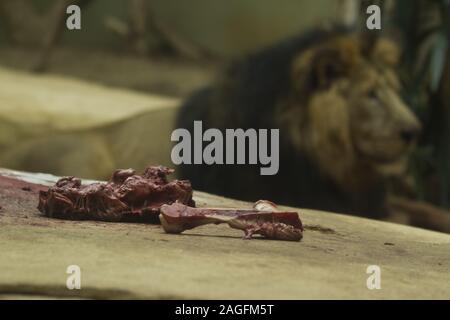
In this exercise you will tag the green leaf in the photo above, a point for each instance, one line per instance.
(438, 59)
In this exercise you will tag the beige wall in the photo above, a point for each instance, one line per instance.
(228, 27)
(225, 27)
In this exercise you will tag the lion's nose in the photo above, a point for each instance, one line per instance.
(409, 135)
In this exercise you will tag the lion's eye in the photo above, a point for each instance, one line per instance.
(372, 94)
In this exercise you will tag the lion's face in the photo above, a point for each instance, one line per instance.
(346, 111)
(383, 130)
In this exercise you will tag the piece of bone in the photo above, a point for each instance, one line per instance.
(265, 205)
(177, 217)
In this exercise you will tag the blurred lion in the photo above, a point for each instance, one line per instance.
(344, 129)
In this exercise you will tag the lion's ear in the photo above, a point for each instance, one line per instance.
(319, 67)
(386, 52)
(380, 50)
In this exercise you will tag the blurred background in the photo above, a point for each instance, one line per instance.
(163, 39)
(79, 102)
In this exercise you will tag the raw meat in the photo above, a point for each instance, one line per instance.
(126, 197)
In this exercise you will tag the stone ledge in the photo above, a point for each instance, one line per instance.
(120, 260)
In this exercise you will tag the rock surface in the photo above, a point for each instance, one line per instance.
(68, 127)
(125, 260)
